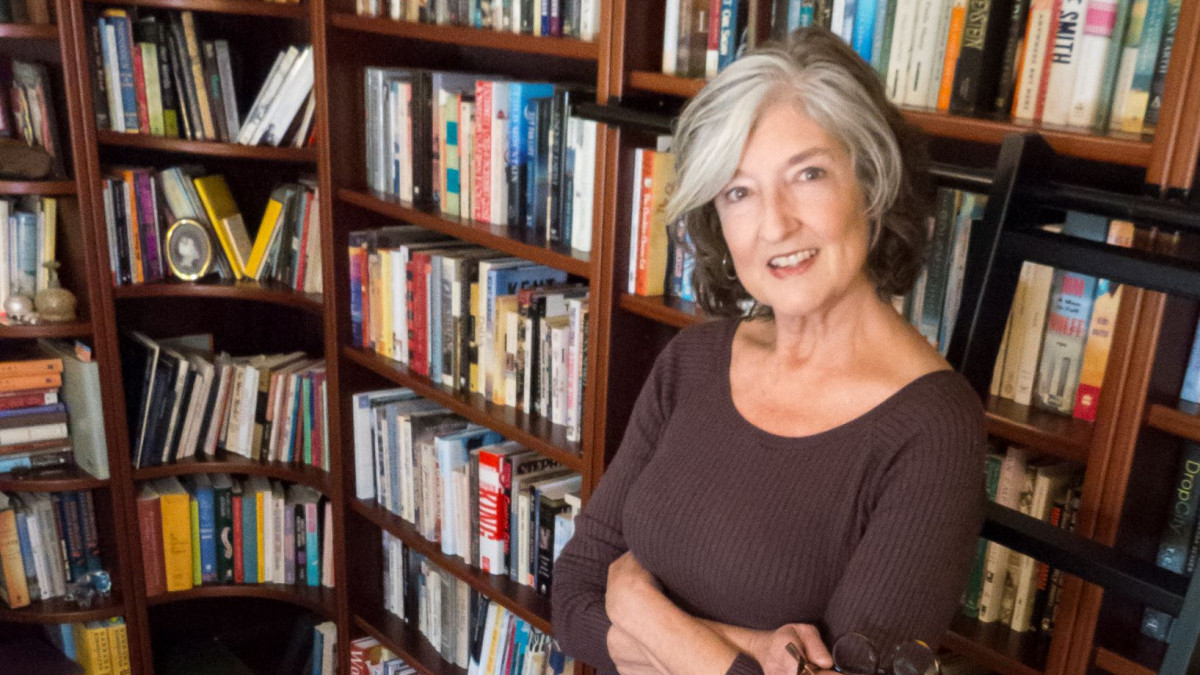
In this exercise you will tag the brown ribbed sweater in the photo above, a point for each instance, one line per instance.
(869, 527)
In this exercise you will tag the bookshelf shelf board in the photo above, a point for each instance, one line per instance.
(995, 645)
(663, 309)
(115, 139)
(535, 433)
(250, 291)
(1065, 437)
(406, 642)
(59, 610)
(244, 7)
(60, 479)
(71, 329)
(521, 600)
(226, 462)
(1183, 421)
(568, 48)
(512, 240)
(49, 188)
(1112, 662)
(1128, 149)
(319, 599)
(29, 31)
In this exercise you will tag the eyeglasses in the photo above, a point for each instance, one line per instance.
(855, 654)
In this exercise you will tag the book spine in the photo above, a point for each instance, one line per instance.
(1137, 99)
(1160, 71)
(150, 529)
(1064, 61)
(1039, 30)
(1095, 46)
(1176, 534)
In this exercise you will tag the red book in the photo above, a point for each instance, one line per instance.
(150, 530)
(645, 219)
(139, 86)
(481, 189)
(305, 227)
(28, 399)
(418, 343)
(239, 573)
(318, 444)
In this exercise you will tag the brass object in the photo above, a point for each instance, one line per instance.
(189, 249)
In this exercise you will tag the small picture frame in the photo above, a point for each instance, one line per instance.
(189, 249)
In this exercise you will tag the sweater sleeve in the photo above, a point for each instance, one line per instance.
(581, 623)
(908, 571)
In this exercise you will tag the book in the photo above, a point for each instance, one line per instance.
(226, 220)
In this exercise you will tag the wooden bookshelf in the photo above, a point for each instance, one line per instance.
(298, 10)
(663, 309)
(317, 599)
(213, 149)
(29, 31)
(400, 637)
(227, 462)
(521, 600)
(515, 241)
(996, 646)
(568, 48)
(56, 479)
(59, 610)
(1112, 662)
(246, 291)
(72, 329)
(1048, 433)
(1181, 421)
(48, 188)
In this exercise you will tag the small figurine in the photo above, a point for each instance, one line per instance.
(55, 303)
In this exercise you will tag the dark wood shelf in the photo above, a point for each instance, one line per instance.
(661, 308)
(226, 462)
(56, 479)
(567, 48)
(318, 599)
(534, 432)
(29, 31)
(59, 610)
(49, 188)
(521, 600)
(244, 7)
(1183, 421)
(1127, 149)
(71, 329)
(996, 646)
(515, 241)
(116, 139)
(1059, 435)
(406, 642)
(1113, 662)
(249, 291)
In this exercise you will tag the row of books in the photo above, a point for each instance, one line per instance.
(1010, 587)
(466, 628)
(50, 410)
(26, 11)
(153, 74)
(218, 529)
(28, 240)
(472, 320)
(99, 647)
(27, 111)
(142, 203)
(557, 18)
(496, 504)
(368, 657)
(48, 541)
(658, 263)
(495, 151)
(183, 402)
(1179, 543)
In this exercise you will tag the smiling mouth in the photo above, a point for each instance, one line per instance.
(791, 260)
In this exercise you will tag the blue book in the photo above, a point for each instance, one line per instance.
(864, 27)
(53, 407)
(206, 514)
(454, 450)
(850, 13)
(318, 649)
(249, 533)
(24, 255)
(312, 544)
(27, 555)
(1191, 378)
(727, 40)
(520, 642)
(122, 34)
(519, 96)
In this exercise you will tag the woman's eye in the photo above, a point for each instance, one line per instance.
(811, 173)
(736, 194)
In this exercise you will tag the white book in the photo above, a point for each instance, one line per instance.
(937, 65)
(1034, 322)
(1015, 331)
(670, 52)
(577, 311)
(228, 92)
(1037, 44)
(921, 67)
(1051, 481)
(282, 65)
(589, 20)
(901, 49)
(4, 253)
(996, 561)
(286, 102)
(1093, 46)
(585, 158)
(116, 108)
(224, 374)
(499, 185)
(1065, 58)
(635, 219)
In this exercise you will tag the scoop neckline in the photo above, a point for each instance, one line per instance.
(849, 426)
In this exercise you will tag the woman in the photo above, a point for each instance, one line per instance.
(815, 468)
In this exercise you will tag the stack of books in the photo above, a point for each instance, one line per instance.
(48, 541)
(497, 505)
(27, 109)
(99, 647)
(183, 402)
(155, 75)
(555, 18)
(218, 529)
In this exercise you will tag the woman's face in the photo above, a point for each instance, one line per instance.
(793, 217)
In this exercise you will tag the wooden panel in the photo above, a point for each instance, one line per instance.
(663, 309)
(58, 610)
(227, 462)
(316, 599)
(29, 31)
(51, 480)
(570, 48)
(244, 7)
(206, 148)
(244, 290)
(73, 329)
(37, 187)
(1184, 423)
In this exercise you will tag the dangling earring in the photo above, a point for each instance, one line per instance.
(728, 268)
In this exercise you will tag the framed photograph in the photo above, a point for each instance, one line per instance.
(189, 249)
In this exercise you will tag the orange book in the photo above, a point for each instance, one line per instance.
(14, 589)
(645, 219)
(1100, 331)
(21, 382)
(30, 367)
(958, 19)
(135, 236)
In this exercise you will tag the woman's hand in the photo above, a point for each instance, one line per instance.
(630, 657)
(628, 585)
(769, 648)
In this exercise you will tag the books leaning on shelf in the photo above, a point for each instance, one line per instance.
(27, 114)
(324, 654)
(415, 297)
(28, 240)
(1178, 546)
(184, 401)
(99, 647)
(489, 150)
(27, 11)
(658, 263)
(468, 630)
(495, 504)
(50, 410)
(1006, 586)
(153, 74)
(554, 18)
(222, 529)
(48, 540)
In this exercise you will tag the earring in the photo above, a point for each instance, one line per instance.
(728, 268)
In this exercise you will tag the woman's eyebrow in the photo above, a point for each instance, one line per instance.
(798, 158)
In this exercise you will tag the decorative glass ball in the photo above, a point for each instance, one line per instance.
(19, 307)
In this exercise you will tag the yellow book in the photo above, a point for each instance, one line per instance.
(258, 517)
(118, 647)
(192, 46)
(473, 369)
(176, 533)
(1100, 331)
(92, 649)
(14, 589)
(194, 515)
(226, 220)
(387, 331)
(657, 247)
(49, 223)
(271, 222)
(505, 304)
(135, 237)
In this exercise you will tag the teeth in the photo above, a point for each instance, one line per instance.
(793, 259)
